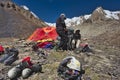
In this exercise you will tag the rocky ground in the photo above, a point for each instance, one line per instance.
(102, 64)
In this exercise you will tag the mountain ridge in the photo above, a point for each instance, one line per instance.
(98, 15)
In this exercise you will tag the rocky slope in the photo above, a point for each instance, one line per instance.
(16, 21)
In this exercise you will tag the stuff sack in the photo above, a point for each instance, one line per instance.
(10, 60)
(2, 59)
(26, 73)
(14, 73)
(36, 68)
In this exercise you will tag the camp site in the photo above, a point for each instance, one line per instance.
(60, 45)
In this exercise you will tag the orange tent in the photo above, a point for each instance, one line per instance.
(44, 33)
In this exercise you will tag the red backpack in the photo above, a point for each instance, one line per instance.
(1, 48)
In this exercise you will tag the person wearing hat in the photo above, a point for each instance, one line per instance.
(61, 31)
(77, 39)
(70, 69)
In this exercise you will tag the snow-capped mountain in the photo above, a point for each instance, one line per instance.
(98, 14)
(102, 15)
(109, 14)
(72, 21)
(76, 20)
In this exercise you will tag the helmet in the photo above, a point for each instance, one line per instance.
(14, 73)
(62, 16)
(74, 64)
(26, 73)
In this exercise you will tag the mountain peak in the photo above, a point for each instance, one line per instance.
(100, 10)
(98, 14)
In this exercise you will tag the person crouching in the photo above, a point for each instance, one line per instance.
(76, 39)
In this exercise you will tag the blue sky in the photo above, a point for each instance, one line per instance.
(49, 10)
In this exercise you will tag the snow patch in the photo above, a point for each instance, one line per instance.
(87, 16)
(34, 14)
(112, 15)
(25, 7)
(73, 21)
(51, 24)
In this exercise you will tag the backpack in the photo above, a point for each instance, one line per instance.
(69, 74)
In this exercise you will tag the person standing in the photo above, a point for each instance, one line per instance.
(62, 32)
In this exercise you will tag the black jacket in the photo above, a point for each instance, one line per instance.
(60, 24)
(77, 36)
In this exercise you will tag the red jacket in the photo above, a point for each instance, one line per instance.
(1, 48)
(27, 59)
